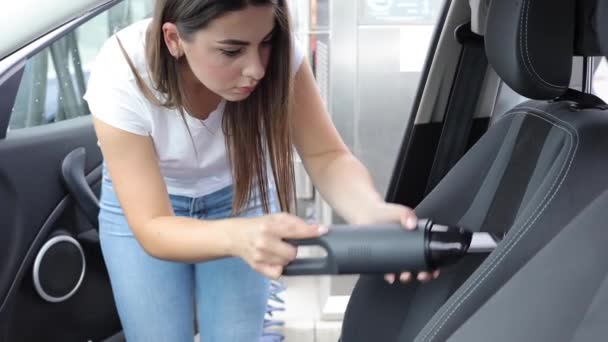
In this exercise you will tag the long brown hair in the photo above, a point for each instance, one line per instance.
(256, 128)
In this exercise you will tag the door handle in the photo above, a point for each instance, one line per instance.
(73, 173)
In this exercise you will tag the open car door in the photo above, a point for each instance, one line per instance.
(53, 281)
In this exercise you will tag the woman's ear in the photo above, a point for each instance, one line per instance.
(172, 40)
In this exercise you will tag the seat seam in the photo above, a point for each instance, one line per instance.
(488, 269)
(518, 235)
(523, 42)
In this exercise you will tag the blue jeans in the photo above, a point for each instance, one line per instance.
(158, 300)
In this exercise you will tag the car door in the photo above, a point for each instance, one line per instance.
(53, 281)
(451, 107)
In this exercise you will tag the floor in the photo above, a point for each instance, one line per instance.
(305, 320)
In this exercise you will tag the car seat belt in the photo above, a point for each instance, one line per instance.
(470, 74)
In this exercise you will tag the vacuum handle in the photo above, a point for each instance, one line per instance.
(363, 249)
(312, 266)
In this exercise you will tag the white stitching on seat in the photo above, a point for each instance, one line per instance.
(523, 42)
(497, 260)
(519, 234)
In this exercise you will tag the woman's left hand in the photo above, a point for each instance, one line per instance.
(385, 212)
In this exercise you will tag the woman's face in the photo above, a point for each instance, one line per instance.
(229, 57)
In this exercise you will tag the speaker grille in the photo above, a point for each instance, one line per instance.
(59, 268)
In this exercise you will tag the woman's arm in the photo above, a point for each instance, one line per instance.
(143, 197)
(343, 181)
(142, 194)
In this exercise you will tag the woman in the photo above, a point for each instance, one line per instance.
(197, 111)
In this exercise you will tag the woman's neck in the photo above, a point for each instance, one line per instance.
(199, 100)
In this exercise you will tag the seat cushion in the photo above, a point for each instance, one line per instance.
(561, 294)
(534, 170)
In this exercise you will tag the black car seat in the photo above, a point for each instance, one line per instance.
(560, 295)
(538, 166)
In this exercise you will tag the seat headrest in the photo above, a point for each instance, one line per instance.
(586, 41)
(601, 22)
(530, 44)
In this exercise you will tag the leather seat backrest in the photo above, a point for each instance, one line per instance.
(561, 293)
(534, 170)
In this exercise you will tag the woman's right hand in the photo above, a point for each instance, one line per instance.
(260, 241)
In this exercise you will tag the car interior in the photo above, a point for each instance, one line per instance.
(533, 173)
(538, 176)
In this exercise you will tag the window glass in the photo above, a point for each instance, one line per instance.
(54, 80)
(392, 39)
(600, 79)
(368, 58)
(398, 12)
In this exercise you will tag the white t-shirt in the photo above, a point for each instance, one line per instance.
(114, 98)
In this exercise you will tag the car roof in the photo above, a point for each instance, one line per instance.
(23, 21)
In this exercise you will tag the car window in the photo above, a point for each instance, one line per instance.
(54, 79)
(600, 80)
(378, 57)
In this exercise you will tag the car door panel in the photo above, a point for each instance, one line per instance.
(38, 207)
(54, 284)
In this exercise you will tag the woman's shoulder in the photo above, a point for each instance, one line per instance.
(112, 92)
